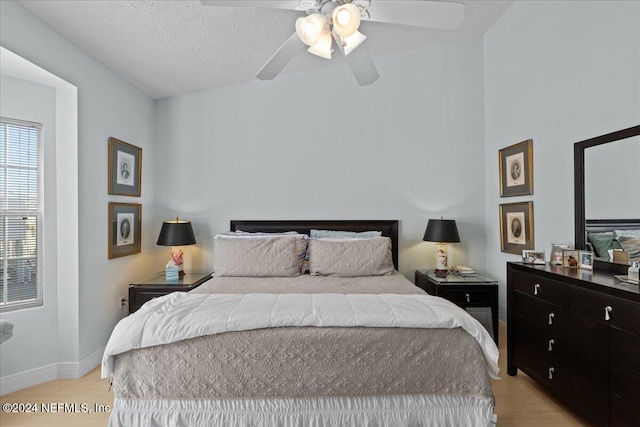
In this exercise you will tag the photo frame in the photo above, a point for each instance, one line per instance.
(586, 260)
(571, 258)
(556, 252)
(125, 229)
(533, 257)
(516, 227)
(125, 168)
(516, 169)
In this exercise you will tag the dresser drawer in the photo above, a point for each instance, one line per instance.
(623, 413)
(593, 399)
(625, 349)
(557, 350)
(623, 314)
(466, 297)
(625, 382)
(579, 329)
(541, 288)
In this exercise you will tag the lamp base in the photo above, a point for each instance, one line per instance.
(440, 273)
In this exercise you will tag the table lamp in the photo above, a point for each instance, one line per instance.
(441, 231)
(175, 234)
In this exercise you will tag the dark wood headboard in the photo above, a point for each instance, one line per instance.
(604, 225)
(388, 228)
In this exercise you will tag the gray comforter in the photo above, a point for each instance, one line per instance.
(307, 361)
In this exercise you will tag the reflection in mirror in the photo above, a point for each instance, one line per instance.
(612, 180)
(607, 197)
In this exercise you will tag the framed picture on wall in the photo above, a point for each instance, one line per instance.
(516, 169)
(125, 168)
(125, 231)
(516, 227)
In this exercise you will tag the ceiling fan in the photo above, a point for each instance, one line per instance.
(339, 20)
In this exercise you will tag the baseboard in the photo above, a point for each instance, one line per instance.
(54, 371)
(29, 378)
(79, 369)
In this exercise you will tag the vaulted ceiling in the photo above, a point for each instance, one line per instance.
(168, 48)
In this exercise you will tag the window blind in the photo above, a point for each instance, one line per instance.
(20, 214)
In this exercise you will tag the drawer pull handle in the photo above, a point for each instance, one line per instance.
(607, 311)
(468, 298)
(535, 288)
(551, 342)
(551, 371)
(551, 316)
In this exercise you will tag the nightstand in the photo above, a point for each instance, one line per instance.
(472, 290)
(157, 286)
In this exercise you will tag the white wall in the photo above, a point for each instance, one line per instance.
(315, 145)
(107, 106)
(23, 100)
(558, 72)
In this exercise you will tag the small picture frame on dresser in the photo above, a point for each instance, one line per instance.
(586, 260)
(570, 258)
(533, 257)
(556, 253)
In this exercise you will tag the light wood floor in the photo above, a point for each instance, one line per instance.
(520, 402)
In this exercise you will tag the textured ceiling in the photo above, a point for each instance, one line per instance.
(168, 48)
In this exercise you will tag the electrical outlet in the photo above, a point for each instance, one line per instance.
(122, 303)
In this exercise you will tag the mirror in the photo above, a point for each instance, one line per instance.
(607, 187)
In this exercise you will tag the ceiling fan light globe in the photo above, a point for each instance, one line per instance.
(309, 28)
(323, 47)
(310, 31)
(346, 19)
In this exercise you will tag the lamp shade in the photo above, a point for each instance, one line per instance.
(176, 233)
(441, 230)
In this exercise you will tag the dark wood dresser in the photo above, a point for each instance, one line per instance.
(577, 332)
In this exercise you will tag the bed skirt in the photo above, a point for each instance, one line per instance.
(398, 410)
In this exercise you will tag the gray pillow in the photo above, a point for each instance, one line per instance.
(350, 257)
(301, 242)
(274, 257)
(631, 245)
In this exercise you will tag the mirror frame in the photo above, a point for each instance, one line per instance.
(579, 193)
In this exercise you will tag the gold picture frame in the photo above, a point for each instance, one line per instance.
(125, 229)
(516, 227)
(571, 258)
(516, 169)
(125, 168)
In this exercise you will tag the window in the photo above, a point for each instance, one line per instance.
(20, 215)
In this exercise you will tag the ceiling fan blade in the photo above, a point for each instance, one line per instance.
(424, 13)
(281, 58)
(362, 66)
(271, 4)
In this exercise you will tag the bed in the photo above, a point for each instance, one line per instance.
(603, 235)
(302, 350)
